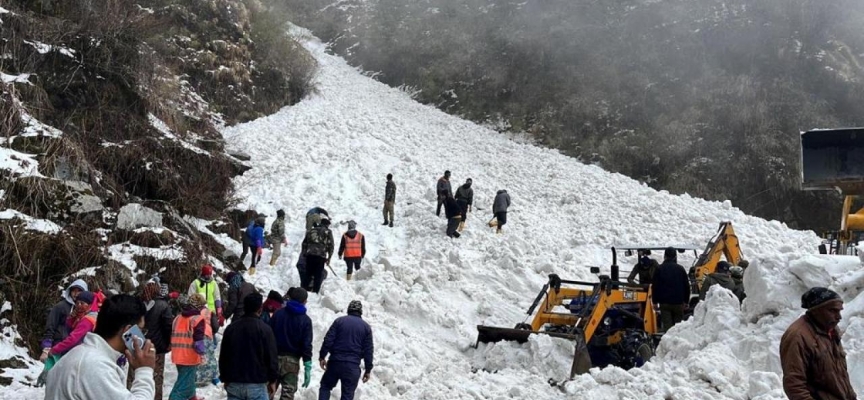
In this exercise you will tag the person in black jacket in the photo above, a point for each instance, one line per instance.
(347, 341)
(454, 215)
(465, 199)
(238, 289)
(293, 331)
(671, 290)
(247, 362)
(158, 325)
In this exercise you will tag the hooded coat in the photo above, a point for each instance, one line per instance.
(293, 330)
(502, 202)
(55, 326)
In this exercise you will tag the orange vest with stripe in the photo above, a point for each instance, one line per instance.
(353, 247)
(208, 329)
(182, 344)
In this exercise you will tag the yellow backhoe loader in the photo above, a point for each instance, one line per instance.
(833, 159)
(610, 322)
(723, 243)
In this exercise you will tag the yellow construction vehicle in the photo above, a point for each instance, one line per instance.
(610, 322)
(833, 159)
(723, 243)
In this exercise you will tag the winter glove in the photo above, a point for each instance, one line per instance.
(200, 347)
(307, 373)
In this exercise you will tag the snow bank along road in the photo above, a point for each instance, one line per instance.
(424, 293)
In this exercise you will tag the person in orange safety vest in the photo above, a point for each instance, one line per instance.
(353, 247)
(188, 345)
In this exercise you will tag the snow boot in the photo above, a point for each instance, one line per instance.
(461, 227)
(498, 231)
(252, 271)
(385, 223)
(348, 277)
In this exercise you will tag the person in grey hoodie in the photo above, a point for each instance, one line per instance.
(721, 276)
(55, 326)
(499, 208)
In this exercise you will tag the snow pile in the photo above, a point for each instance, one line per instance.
(424, 293)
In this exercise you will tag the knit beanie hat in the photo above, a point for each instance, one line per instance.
(813, 298)
(86, 297)
(197, 300)
(280, 214)
(352, 225)
(207, 270)
(722, 267)
(298, 294)
(150, 291)
(274, 295)
(355, 307)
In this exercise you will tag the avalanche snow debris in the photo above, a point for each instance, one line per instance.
(22, 78)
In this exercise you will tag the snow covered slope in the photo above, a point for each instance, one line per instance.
(424, 293)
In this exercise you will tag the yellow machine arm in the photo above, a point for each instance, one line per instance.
(725, 243)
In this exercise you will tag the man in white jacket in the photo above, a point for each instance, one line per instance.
(96, 369)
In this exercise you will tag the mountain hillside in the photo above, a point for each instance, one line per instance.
(424, 293)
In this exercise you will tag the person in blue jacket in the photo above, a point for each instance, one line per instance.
(293, 329)
(255, 234)
(347, 341)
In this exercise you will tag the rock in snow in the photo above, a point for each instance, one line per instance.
(424, 293)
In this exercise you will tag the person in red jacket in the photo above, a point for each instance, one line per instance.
(353, 247)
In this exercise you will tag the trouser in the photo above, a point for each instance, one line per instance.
(501, 217)
(440, 203)
(463, 205)
(671, 314)
(289, 368)
(346, 372)
(303, 274)
(158, 376)
(245, 249)
(315, 270)
(247, 391)
(452, 224)
(184, 386)
(277, 251)
(353, 264)
(209, 368)
(256, 258)
(388, 211)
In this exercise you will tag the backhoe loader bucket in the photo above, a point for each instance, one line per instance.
(833, 159)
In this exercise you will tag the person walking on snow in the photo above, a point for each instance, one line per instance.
(720, 277)
(273, 304)
(293, 330)
(671, 289)
(454, 216)
(238, 289)
(81, 321)
(207, 287)
(317, 248)
(389, 200)
(96, 369)
(465, 199)
(277, 236)
(347, 341)
(499, 209)
(256, 241)
(244, 238)
(188, 346)
(353, 246)
(158, 324)
(247, 361)
(443, 190)
(811, 352)
(55, 325)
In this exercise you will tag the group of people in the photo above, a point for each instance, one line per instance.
(671, 284)
(811, 353)
(86, 356)
(457, 207)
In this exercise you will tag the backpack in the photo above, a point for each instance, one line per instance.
(318, 238)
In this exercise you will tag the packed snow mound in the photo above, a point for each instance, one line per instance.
(424, 294)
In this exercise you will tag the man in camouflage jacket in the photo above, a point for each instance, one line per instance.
(277, 236)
